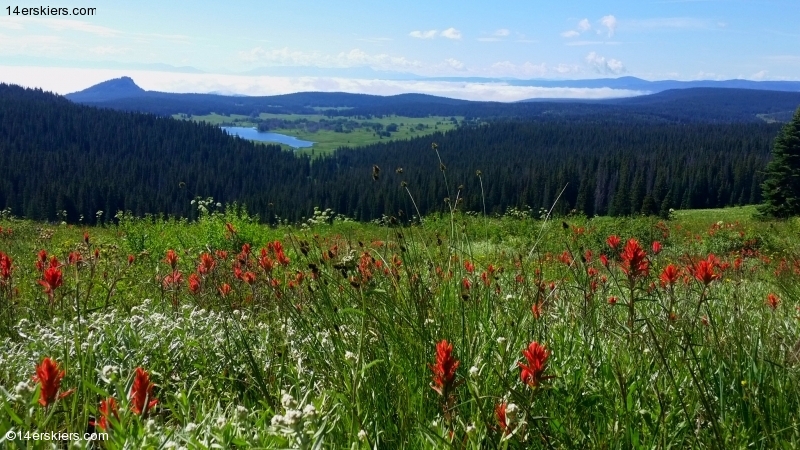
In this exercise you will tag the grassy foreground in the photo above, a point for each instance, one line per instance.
(461, 332)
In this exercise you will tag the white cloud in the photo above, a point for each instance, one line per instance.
(579, 43)
(451, 33)
(10, 24)
(584, 25)
(605, 66)
(760, 75)
(352, 58)
(570, 34)
(64, 80)
(502, 32)
(430, 34)
(610, 22)
(454, 63)
(669, 22)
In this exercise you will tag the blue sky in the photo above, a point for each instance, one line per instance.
(327, 44)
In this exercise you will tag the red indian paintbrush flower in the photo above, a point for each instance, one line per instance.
(634, 260)
(500, 414)
(670, 275)
(142, 392)
(207, 263)
(444, 370)
(108, 409)
(171, 259)
(6, 267)
(704, 270)
(52, 279)
(194, 283)
(656, 247)
(536, 355)
(613, 241)
(224, 289)
(49, 377)
(773, 301)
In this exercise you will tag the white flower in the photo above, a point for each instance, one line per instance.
(511, 412)
(350, 356)
(241, 412)
(471, 429)
(221, 422)
(501, 340)
(190, 427)
(473, 371)
(292, 417)
(109, 372)
(309, 411)
(277, 420)
(288, 401)
(362, 435)
(22, 387)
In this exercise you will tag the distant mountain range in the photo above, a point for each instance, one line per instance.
(688, 103)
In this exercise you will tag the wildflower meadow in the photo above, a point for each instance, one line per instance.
(455, 331)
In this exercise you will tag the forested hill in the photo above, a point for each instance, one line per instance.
(672, 106)
(55, 155)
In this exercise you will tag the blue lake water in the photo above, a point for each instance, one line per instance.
(255, 135)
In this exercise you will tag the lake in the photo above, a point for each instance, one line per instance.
(255, 135)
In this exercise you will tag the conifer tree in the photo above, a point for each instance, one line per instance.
(781, 187)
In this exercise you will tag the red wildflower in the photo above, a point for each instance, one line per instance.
(41, 258)
(566, 258)
(51, 280)
(86, 237)
(634, 260)
(612, 300)
(656, 247)
(265, 261)
(171, 258)
(172, 280)
(604, 260)
(444, 370)
(224, 289)
(49, 377)
(249, 277)
(500, 414)
(194, 283)
(207, 263)
(773, 301)
(670, 275)
(466, 284)
(108, 408)
(704, 271)
(536, 355)
(74, 258)
(221, 254)
(469, 267)
(230, 227)
(536, 309)
(142, 392)
(6, 267)
(131, 259)
(613, 241)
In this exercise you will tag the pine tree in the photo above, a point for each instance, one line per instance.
(781, 187)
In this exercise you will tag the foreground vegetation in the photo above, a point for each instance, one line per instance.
(458, 332)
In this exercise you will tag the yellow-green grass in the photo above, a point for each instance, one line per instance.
(326, 141)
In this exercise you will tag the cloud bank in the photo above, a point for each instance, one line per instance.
(66, 80)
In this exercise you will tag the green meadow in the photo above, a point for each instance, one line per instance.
(326, 141)
(460, 331)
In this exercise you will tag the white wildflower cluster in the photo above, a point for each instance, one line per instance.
(298, 421)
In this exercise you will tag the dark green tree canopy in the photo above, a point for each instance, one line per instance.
(781, 187)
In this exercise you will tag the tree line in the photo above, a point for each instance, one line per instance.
(65, 161)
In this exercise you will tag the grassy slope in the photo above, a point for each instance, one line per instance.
(358, 347)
